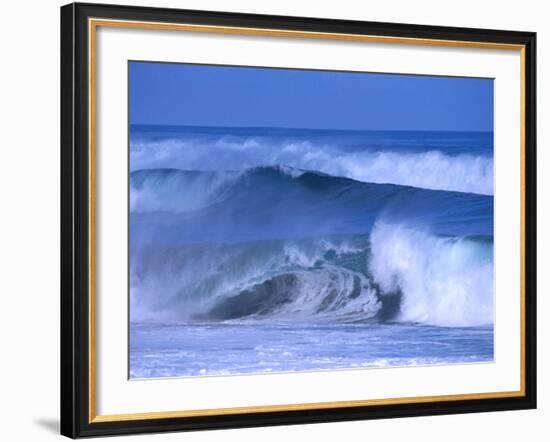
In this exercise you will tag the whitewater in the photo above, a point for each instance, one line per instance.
(249, 264)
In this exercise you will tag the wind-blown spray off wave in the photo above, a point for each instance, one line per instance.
(280, 244)
(443, 280)
(175, 191)
(455, 162)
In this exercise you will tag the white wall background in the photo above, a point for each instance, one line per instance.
(29, 233)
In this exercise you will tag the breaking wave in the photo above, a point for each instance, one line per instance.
(395, 273)
(429, 168)
(445, 281)
(283, 244)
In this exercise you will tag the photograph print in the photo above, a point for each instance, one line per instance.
(289, 220)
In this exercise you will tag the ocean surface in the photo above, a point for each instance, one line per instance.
(272, 250)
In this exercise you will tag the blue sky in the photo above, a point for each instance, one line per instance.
(196, 95)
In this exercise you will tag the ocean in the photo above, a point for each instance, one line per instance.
(259, 250)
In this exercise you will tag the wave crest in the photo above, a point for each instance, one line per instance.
(443, 281)
(430, 169)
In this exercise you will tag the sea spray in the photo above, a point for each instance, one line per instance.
(432, 160)
(446, 281)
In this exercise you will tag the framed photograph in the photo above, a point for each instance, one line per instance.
(274, 220)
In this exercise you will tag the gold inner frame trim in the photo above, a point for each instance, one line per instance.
(93, 24)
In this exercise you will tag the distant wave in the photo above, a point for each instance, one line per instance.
(177, 206)
(429, 169)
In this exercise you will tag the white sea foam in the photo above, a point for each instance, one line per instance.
(431, 169)
(443, 281)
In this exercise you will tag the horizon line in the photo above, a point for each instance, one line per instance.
(307, 128)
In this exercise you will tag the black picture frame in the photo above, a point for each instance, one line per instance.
(75, 221)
